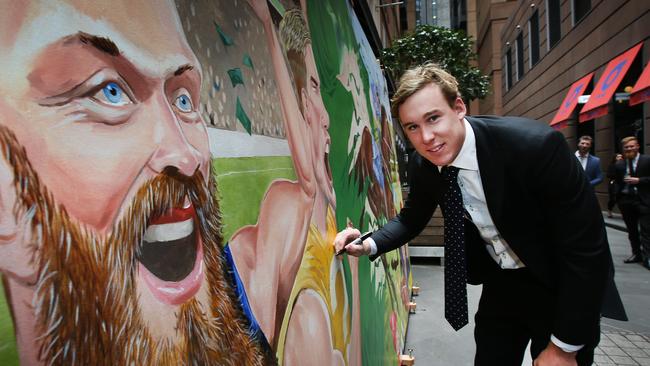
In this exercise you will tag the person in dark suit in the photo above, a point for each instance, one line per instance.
(528, 226)
(612, 187)
(590, 163)
(633, 199)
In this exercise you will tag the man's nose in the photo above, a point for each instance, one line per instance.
(427, 134)
(173, 149)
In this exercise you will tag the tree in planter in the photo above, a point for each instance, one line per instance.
(450, 49)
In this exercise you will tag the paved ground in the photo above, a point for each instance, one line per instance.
(435, 343)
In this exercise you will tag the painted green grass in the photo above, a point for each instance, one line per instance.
(8, 350)
(242, 184)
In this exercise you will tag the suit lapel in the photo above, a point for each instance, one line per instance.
(491, 167)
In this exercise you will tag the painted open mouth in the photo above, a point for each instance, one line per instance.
(171, 256)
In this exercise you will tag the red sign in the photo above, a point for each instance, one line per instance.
(570, 101)
(604, 90)
(641, 91)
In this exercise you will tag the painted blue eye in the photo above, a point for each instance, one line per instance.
(184, 103)
(113, 94)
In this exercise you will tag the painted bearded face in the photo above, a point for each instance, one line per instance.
(111, 170)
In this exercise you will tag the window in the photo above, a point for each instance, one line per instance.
(533, 38)
(520, 56)
(508, 69)
(402, 17)
(580, 9)
(553, 22)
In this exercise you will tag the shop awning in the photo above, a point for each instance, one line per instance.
(641, 91)
(570, 102)
(604, 90)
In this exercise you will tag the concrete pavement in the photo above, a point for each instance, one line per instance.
(435, 343)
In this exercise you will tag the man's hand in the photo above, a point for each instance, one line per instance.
(345, 237)
(631, 180)
(553, 355)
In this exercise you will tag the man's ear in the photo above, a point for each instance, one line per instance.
(460, 108)
(17, 254)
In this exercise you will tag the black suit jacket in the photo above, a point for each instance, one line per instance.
(642, 171)
(543, 206)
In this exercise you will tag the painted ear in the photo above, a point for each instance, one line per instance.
(304, 99)
(16, 247)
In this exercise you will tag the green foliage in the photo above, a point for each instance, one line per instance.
(450, 49)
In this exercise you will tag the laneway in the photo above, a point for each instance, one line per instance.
(622, 343)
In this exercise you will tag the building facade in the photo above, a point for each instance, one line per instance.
(569, 63)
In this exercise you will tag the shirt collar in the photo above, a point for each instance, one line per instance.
(466, 158)
(579, 156)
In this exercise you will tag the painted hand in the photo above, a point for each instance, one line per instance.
(261, 9)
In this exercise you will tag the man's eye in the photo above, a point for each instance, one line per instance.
(112, 94)
(184, 103)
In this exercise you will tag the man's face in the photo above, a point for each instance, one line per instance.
(631, 149)
(584, 146)
(435, 129)
(104, 101)
(319, 121)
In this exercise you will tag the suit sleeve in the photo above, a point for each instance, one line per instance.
(644, 179)
(599, 174)
(413, 217)
(580, 255)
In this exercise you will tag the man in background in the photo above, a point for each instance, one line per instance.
(633, 198)
(590, 163)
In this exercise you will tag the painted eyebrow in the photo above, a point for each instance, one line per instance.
(182, 69)
(103, 44)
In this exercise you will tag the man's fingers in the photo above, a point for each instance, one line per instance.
(344, 237)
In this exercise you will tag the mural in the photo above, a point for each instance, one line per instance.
(173, 176)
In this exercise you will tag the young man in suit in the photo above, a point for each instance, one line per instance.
(590, 163)
(633, 198)
(536, 242)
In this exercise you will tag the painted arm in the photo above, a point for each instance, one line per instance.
(297, 129)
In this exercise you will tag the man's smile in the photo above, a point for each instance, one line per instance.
(436, 148)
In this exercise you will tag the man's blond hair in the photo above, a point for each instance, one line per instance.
(416, 78)
(627, 139)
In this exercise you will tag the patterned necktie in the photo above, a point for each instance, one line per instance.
(455, 267)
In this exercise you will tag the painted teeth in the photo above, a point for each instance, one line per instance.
(169, 232)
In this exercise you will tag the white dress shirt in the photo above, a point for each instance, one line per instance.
(471, 187)
(582, 159)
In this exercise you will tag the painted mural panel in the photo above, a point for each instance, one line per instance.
(173, 175)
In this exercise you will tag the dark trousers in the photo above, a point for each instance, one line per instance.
(611, 195)
(630, 209)
(515, 308)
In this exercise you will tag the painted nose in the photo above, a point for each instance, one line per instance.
(173, 149)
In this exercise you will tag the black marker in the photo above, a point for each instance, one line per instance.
(357, 241)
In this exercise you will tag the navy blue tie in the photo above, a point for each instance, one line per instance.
(455, 266)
